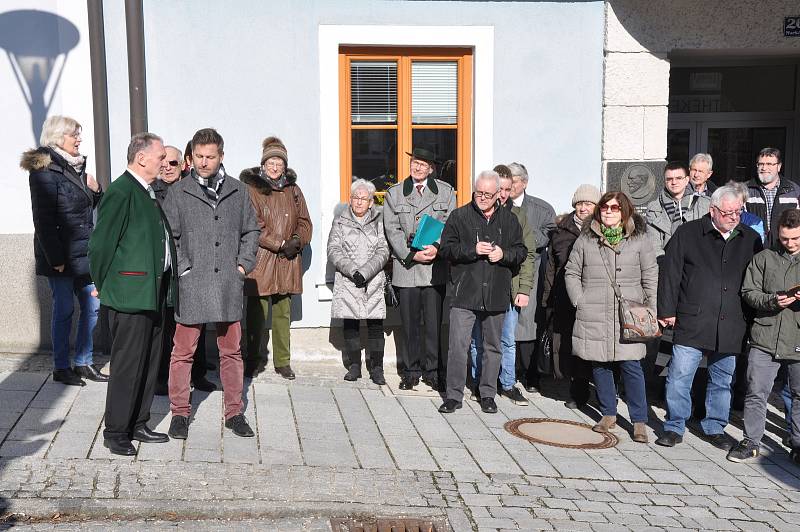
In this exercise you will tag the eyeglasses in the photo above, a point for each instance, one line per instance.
(357, 199)
(675, 179)
(419, 164)
(609, 208)
(762, 165)
(274, 164)
(484, 195)
(729, 214)
(76, 135)
(173, 163)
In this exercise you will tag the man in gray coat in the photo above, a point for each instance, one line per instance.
(418, 275)
(542, 221)
(216, 234)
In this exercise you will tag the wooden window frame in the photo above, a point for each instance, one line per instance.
(404, 56)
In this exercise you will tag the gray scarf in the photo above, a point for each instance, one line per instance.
(77, 162)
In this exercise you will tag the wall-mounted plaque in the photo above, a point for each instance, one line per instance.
(642, 181)
(791, 26)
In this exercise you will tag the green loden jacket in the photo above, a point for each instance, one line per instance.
(522, 282)
(775, 330)
(126, 249)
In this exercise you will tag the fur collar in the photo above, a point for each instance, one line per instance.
(36, 159)
(252, 177)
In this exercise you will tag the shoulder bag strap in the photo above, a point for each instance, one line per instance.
(614, 284)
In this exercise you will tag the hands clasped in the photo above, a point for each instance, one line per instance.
(492, 251)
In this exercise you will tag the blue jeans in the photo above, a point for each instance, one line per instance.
(508, 347)
(63, 289)
(682, 367)
(635, 395)
(786, 396)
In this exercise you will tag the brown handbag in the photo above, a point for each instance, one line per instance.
(637, 321)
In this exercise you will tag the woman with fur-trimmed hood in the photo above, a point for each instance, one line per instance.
(63, 198)
(285, 230)
(612, 244)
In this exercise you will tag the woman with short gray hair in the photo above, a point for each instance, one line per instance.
(63, 198)
(358, 251)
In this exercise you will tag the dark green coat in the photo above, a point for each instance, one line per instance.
(775, 330)
(126, 249)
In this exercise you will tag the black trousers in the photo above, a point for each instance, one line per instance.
(422, 355)
(199, 368)
(352, 341)
(527, 372)
(578, 370)
(136, 345)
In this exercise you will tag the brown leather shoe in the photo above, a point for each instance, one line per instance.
(285, 372)
(606, 423)
(640, 433)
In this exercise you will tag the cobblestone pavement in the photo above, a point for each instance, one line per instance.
(327, 448)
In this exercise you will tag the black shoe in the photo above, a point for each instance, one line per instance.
(145, 435)
(353, 373)
(90, 373)
(449, 406)
(68, 377)
(376, 374)
(572, 404)
(720, 441)
(408, 383)
(204, 385)
(669, 439)
(285, 372)
(432, 382)
(249, 370)
(475, 395)
(120, 447)
(488, 405)
(515, 396)
(179, 427)
(238, 424)
(531, 388)
(744, 450)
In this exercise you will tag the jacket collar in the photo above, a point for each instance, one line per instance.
(408, 186)
(567, 222)
(371, 215)
(193, 188)
(708, 227)
(59, 164)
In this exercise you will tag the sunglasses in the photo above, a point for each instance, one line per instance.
(607, 208)
(173, 163)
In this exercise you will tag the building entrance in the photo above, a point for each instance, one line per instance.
(732, 113)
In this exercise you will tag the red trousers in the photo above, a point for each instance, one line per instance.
(231, 369)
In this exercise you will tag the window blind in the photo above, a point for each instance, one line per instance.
(434, 92)
(373, 92)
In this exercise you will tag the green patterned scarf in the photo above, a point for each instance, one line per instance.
(612, 234)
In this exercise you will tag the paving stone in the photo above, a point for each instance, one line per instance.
(662, 521)
(559, 524)
(589, 517)
(624, 508)
(628, 519)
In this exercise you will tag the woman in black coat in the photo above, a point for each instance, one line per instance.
(63, 197)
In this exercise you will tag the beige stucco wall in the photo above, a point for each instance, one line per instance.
(639, 37)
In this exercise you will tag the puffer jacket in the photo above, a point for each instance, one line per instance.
(62, 207)
(554, 295)
(281, 213)
(787, 198)
(596, 334)
(775, 330)
(355, 246)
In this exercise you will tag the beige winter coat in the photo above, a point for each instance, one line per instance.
(355, 246)
(596, 334)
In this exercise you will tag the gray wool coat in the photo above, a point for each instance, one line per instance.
(596, 334)
(355, 246)
(542, 222)
(403, 208)
(211, 243)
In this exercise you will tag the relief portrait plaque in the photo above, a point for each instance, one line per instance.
(640, 180)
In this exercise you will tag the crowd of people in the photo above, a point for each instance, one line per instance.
(177, 243)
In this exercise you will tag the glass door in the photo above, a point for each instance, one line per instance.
(682, 140)
(735, 145)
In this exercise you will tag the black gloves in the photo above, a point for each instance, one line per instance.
(291, 248)
(359, 280)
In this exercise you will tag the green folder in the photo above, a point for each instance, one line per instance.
(429, 231)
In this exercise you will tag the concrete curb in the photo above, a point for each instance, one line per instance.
(203, 509)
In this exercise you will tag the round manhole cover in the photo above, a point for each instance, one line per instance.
(560, 433)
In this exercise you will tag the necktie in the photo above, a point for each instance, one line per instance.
(151, 192)
(419, 189)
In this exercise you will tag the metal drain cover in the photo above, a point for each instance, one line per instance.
(560, 433)
(390, 524)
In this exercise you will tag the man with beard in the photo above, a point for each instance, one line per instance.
(769, 194)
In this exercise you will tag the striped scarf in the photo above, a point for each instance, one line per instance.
(211, 185)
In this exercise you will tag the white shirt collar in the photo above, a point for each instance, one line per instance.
(518, 201)
(725, 236)
(139, 179)
(424, 183)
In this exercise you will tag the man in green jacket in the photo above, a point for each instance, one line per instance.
(772, 288)
(130, 255)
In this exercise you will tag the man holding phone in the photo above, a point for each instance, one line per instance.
(770, 288)
(482, 263)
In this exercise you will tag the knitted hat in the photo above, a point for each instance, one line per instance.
(586, 193)
(273, 147)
